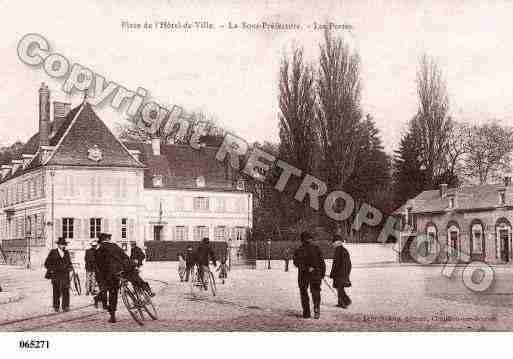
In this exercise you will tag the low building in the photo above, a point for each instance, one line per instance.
(76, 179)
(468, 223)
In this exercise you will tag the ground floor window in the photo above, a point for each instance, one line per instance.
(180, 233)
(200, 232)
(157, 232)
(477, 239)
(240, 233)
(124, 223)
(432, 238)
(220, 233)
(67, 228)
(95, 227)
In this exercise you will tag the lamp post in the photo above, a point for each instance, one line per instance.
(27, 237)
(269, 253)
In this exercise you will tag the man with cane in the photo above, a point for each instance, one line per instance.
(311, 270)
(340, 271)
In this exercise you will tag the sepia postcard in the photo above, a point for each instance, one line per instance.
(255, 166)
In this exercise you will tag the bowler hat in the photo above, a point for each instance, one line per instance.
(62, 241)
(104, 237)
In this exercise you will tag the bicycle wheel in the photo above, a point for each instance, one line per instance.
(212, 283)
(131, 303)
(76, 284)
(146, 303)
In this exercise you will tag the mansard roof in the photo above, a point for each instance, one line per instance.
(72, 137)
(467, 198)
(181, 165)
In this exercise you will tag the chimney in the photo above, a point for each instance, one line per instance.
(507, 181)
(44, 115)
(443, 190)
(60, 109)
(155, 145)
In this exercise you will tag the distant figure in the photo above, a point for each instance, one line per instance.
(136, 255)
(182, 266)
(286, 258)
(58, 265)
(189, 262)
(90, 267)
(311, 270)
(223, 270)
(340, 271)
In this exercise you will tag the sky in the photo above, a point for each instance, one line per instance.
(233, 73)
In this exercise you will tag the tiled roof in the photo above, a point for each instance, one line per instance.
(78, 134)
(467, 198)
(181, 165)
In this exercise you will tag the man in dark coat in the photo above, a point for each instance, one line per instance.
(309, 260)
(90, 267)
(111, 260)
(136, 255)
(202, 257)
(189, 262)
(58, 265)
(340, 271)
(286, 258)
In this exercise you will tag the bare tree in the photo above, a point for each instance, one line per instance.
(339, 115)
(431, 126)
(297, 111)
(488, 150)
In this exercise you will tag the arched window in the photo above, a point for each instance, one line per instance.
(432, 235)
(503, 240)
(453, 239)
(477, 243)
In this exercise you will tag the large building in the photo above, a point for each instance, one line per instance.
(76, 179)
(468, 223)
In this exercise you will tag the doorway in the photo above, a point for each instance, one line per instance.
(504, 239)
(157, 232)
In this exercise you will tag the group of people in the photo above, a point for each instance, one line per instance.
(309, 260)
(201, 257)
(105, 262)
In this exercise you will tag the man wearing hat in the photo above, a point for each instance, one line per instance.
(136, 255)
(58, 266)
(110, 261)
(90, 267)
(340, 271)
(309, 260)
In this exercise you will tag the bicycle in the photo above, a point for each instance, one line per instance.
(198, 281)
(75, 282)
(136, 300)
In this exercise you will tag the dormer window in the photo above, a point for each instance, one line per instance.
(502, 197)
(240, 184)
(451, 202)
(157, 181)
(200, 182)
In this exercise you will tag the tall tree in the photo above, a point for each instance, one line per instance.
(488, 152)
(431, 126)
(297, 111)
(339, 115)
(8, 153)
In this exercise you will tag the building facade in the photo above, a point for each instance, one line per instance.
(464, 224)
(76, 179)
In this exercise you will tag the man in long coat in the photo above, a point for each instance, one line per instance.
(340, 271)
(58, 266)
(309, 260)
(137, 255)
(90, 267)
(111, 260)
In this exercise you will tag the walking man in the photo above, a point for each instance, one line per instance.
(286, 258)
(90, 267)
(340, 271)
(136, 255)
(309, 260)
(189, 262)
(58, 266)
